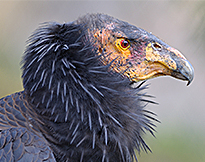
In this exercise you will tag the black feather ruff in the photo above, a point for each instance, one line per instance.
(87, 112)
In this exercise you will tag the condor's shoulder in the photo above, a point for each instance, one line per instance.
(19, 140)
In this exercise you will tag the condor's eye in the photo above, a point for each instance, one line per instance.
(123, 44)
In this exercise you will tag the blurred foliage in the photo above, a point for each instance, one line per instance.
(10, 74)
(197, 22)
(175, 144)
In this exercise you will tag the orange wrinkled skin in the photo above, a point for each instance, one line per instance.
(139, 61)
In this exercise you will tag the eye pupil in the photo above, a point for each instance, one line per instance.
(124, 43)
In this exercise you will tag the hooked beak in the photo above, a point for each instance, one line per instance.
(160, 62)
(184, 70)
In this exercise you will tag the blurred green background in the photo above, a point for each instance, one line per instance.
(180, 136)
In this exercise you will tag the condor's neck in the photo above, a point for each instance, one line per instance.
(81, 95)
(77, 98)
(62, 87)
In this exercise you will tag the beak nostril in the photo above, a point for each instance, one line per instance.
(156, 46)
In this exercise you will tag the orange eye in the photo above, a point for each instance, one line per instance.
(124, 44)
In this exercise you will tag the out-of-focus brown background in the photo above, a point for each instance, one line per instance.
(180, 136)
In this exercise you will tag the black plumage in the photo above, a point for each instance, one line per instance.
(74, 106)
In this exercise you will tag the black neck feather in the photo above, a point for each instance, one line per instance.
(91, 113)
